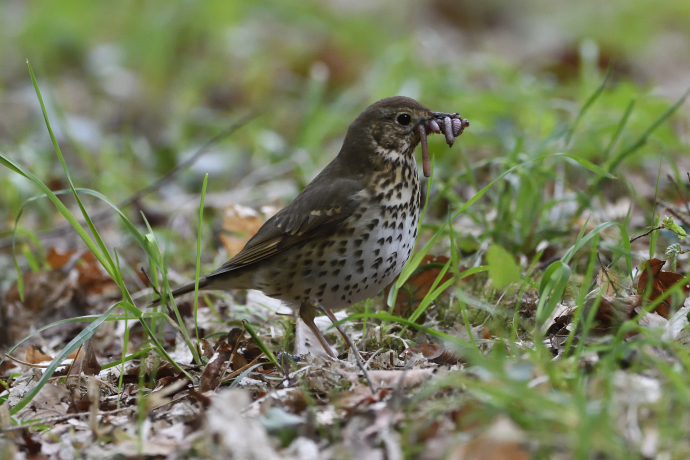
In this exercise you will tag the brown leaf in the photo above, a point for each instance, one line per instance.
(661, 281)
(433, 353)
(240, 223)
(486, 333)
(93, 279)
(502, 441)
(418, 285)
(215, 369)
(205, 348)
(85, 361)
(611, 283)
(613, 311)
(35, 356)
(360, 396)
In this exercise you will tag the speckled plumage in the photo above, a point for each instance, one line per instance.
(351, 230)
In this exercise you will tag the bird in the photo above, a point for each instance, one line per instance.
(351, 231)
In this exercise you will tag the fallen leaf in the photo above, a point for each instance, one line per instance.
(661, 281)
(35, 356)
(85, 361)
(93, 279)
(53, 288)
(611, 283)
(502, 441)
(612, 311)
(240, 223)
(676, 328)
(215, 369)
(358, 396)
(433, 353)
(418, 285)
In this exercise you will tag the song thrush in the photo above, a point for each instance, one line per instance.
(352, 229)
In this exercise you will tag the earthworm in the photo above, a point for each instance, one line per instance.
(426, 164)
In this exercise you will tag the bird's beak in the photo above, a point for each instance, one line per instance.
(451, 124)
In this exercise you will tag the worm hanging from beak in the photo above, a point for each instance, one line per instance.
(426, 165)
(453, 125)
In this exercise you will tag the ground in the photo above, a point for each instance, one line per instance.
(543, 314)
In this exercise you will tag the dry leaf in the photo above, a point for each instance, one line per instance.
(611, 283)
(360, 395)
(433, 353)
(35, 356)
(240, 223)
(85, 360)
(215, 369)
(205, 349)
(502, 441)
(612, 311)
(228, 434)
(418, 285)
(93, 279)
(660, 283)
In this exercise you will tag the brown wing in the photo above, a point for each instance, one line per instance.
(317, 211)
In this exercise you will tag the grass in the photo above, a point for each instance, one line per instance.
(535, 174)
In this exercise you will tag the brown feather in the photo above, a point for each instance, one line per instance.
(302, 220)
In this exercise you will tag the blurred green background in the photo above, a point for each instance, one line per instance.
(135, 87)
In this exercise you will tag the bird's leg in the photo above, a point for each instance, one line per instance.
(350, 344)
(308, 312)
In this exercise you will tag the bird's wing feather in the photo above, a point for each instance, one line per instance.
(317, 211)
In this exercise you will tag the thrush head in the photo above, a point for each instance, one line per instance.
(394, 126)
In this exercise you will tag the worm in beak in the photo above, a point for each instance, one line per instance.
(426, 164)
(451, 124)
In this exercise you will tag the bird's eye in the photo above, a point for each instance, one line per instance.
(404, 119)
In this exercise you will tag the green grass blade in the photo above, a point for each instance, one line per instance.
(552, 287)
(612, 164)
(587, 164)
(260, 343)
(104, 254)
(155, 250)
(62, 209)
(619, 129)
(198, 257)
(587, 105)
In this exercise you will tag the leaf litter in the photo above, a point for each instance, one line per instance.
(432, 391)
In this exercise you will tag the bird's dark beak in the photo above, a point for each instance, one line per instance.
(451, 124)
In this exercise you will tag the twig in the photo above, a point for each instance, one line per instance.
(680, 193)
(606, 272)
(62, 418)
(646, 233)
(100, 215)
(243, 368)
(24, 363)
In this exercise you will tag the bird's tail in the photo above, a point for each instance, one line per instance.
(187, 288)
